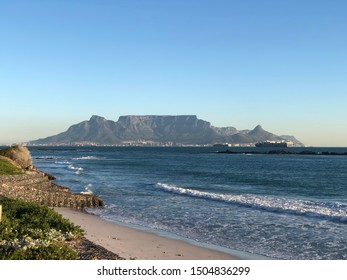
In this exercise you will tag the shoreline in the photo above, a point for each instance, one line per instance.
(131, 243)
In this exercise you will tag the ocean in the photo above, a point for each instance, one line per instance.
(252, 205)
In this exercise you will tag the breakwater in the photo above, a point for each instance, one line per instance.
(35, 186)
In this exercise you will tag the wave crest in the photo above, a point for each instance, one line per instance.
(328, 210)
(85, 158)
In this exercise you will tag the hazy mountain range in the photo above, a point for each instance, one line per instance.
(161, 130)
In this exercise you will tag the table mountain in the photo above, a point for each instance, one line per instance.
(153, 129)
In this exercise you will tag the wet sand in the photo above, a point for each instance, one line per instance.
(131, 243)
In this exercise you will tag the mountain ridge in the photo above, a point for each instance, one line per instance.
(156, 130)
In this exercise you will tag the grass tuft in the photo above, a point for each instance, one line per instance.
(7, 168)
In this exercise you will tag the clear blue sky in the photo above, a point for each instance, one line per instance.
(281, 64)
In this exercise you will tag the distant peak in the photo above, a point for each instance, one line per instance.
(258, 127)
(156, 116)
(152, 117)
(96, 118)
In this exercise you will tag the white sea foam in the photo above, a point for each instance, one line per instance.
(46, 157)
(86, 157)
(63, 162)
(330, 210)
(78, 170)
(87, 189)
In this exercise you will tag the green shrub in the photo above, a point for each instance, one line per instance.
(36, 232)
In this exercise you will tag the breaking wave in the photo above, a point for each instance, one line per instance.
(85, 157)
(334, 211)
(70, 166)
(78, 170)
(63, 162)
(87, 189)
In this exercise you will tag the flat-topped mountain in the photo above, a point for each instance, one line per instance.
(153, 129)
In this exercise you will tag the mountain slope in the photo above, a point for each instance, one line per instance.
(97, 130)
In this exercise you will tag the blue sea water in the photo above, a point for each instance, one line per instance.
(276, 206)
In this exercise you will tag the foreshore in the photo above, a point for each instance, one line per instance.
(131, 243)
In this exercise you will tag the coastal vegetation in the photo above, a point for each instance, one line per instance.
(8, 168)
(29, 231)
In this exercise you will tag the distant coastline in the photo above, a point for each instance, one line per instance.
(285, 152)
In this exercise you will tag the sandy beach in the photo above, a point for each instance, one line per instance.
(131, 243)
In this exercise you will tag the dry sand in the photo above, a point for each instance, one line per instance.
(131, 243)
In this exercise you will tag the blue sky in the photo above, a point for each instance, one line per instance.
(281, 64)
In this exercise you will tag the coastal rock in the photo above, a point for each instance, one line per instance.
(88, 250)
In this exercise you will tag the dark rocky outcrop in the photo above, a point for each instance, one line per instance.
(88, 250)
